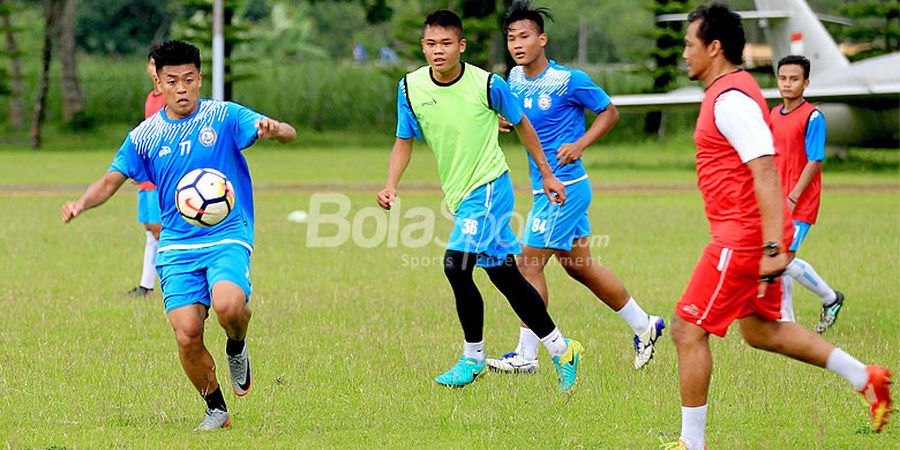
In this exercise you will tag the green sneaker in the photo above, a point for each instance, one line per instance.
(567, 364)
(830, 313)
(464, 372)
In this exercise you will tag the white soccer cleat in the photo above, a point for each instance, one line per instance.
(643, 343)
(513, 362)
(214, 419)
(239, 369)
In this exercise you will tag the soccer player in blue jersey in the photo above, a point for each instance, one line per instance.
(554, 98)
(198, 267)
(452, 106)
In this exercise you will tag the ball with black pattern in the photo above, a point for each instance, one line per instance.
(204, 197)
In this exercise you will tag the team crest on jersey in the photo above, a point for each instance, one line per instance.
(544, 102)
(207, 136)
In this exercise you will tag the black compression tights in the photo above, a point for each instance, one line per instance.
(523, 298)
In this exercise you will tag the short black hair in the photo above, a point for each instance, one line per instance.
(444, 18)
(522, 10)
(175, 53)
(798, 60)
(720, 23)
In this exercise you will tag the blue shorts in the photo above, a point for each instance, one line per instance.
(148, 207)
(801, 229)
(555, 226)
(481, 224)
(187, 276)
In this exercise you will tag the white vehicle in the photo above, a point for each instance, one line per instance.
(859, 100)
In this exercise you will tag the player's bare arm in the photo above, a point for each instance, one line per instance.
(809, 172)
(400, 156)
(95, 195)
(770, 201)
(282, 132)
(569, 153)
(553, 188)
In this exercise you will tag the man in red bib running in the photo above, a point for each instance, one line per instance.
(736, 278)
(798, 129)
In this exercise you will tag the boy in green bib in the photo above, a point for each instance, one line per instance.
(453, 107)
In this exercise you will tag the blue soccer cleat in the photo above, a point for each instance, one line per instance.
(567, 364)
(464, 372)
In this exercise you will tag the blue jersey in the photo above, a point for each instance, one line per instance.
(554, 102)
(501, 99)
(162, 150)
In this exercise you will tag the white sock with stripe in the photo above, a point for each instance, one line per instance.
(807, 276)
(148, 274)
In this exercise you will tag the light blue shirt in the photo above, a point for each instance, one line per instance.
(554, 102)
(162, 150)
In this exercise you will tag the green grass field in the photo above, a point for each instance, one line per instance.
(345, 341)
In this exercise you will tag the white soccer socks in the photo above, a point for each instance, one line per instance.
(787, 299)
(148, 274)
(528, 344)
(693, 426)
(848, 367)
(555, 343)
(635, 316)
(474, 350)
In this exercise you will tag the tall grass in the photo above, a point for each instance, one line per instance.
(323, 96)
(318, 95)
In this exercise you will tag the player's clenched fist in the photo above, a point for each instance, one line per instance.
(70, 210)
(267, 128)
(386, 198)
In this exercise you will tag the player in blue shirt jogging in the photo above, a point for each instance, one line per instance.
(198, 267)
(554, 98)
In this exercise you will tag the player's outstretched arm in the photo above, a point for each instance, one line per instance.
(553, 188)
(400, 156)
(282, 132)
(569, 153)
(96, 194)
(771, 210)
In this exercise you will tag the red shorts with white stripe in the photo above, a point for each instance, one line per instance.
(724, 288)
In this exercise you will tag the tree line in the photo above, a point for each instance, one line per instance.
(591, 32)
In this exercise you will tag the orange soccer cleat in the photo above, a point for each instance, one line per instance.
(878, 393)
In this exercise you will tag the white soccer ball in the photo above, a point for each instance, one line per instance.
(204, 197)
(298, 216)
